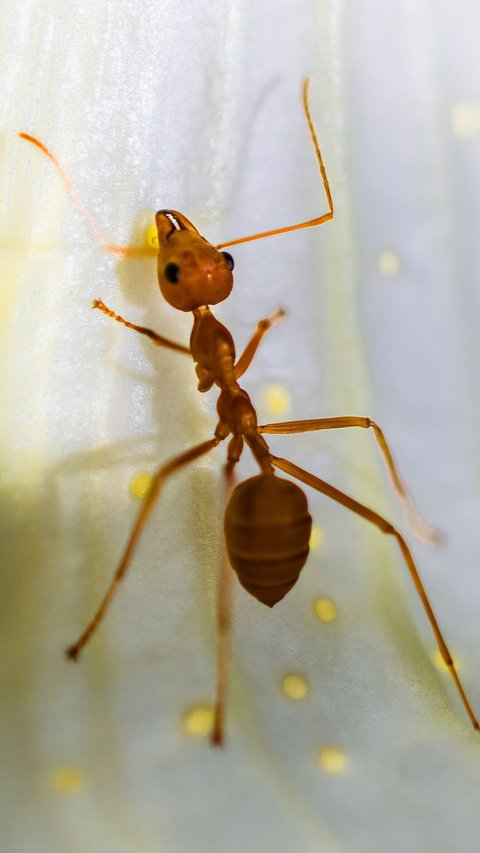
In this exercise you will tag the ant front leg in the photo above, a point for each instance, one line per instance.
(389, 530)
(248, 353)
(421, 529)
(158, 340)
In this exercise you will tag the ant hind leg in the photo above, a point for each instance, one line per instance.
(388, 529)
(162, 474)
(225, 603)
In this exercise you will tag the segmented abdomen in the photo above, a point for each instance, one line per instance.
(267, 531)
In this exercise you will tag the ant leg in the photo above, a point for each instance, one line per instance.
(389, 530)
(248, 353)
(162, 474)
(158, 340)
(420, 528)
(225, 604)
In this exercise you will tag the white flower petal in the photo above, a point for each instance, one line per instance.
(196, 106)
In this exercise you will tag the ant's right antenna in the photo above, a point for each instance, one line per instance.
(325, 217)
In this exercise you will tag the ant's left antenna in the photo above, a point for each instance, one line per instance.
(112, 248)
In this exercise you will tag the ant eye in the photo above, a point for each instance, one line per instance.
(172, 273)
(229, 260)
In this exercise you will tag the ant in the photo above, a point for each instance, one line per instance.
(267, 524)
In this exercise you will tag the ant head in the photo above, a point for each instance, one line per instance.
(191, 272)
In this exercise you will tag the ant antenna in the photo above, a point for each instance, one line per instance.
(112, 248)
(318, 154)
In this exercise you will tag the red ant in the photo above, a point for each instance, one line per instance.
(267, 523)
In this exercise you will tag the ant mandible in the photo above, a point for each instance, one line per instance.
(267, 524)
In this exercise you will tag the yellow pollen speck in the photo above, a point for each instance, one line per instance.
(277, 398)
(68, 780)
(198, 721)
(295, 686)
(332, 759)
(151, 236)
(316, 537)
(325, 609)
(465, 119)
(440, 663)
(141, 485)
(388, 264)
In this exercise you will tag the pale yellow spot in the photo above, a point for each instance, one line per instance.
(295, 686)
(141, 485)
(440, 663)
(332, 759)
(68, 781)
(388, 264)
(198, 721)
(466, 119)
(151, 236)
(277, 398)
(316, 537)
(325, 609)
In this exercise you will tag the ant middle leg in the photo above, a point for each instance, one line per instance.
(389, 530)
(420, 528)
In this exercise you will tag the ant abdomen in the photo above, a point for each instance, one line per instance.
(267, 531)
